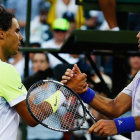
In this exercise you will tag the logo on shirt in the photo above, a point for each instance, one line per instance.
(20, 87)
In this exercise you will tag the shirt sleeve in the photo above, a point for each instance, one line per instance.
(130, 88)
(11, 87)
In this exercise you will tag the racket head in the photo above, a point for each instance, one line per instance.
(70, 116)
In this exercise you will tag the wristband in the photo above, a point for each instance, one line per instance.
(87, 96)
(56, 100)
(125, 124)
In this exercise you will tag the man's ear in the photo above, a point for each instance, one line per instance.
(1, 34)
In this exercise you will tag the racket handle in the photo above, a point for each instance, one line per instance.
(90, 115)
(84, 129)
(77, 129)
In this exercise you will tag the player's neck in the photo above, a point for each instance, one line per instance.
(2, 59)
(17, 58)
(2, 55)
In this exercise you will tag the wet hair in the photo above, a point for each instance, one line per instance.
(5, 19)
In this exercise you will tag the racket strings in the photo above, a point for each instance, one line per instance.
(69, 119)
(39, 94)
(68, 116)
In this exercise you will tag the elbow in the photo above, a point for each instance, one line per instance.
(115, 112)
(114, 115)
(32, 124)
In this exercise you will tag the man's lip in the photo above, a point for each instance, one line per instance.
(139, 46)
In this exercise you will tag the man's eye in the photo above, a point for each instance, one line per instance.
(17, 31)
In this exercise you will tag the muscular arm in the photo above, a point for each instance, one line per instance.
(112, 108)
(41, 110)
(22, 110)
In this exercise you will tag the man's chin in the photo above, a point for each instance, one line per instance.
(15, 53)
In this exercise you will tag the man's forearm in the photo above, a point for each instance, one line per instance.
(111, 108)
(104, 105)
(42, 110)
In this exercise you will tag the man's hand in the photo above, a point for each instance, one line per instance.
(75, 79)
(104, 128)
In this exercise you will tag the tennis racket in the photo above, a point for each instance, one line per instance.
(56, 106)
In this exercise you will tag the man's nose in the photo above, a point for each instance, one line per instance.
(21, 37)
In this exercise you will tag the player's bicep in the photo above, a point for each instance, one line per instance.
(22, 110)
(122, 103)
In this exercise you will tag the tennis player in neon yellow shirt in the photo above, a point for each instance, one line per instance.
(12, 91)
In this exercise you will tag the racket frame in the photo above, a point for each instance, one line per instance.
(75, 94)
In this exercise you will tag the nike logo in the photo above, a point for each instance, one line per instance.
(55, 102)
(20, 87)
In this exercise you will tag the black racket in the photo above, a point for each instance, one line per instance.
(56, 106)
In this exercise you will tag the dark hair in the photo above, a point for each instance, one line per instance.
(5, 19)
